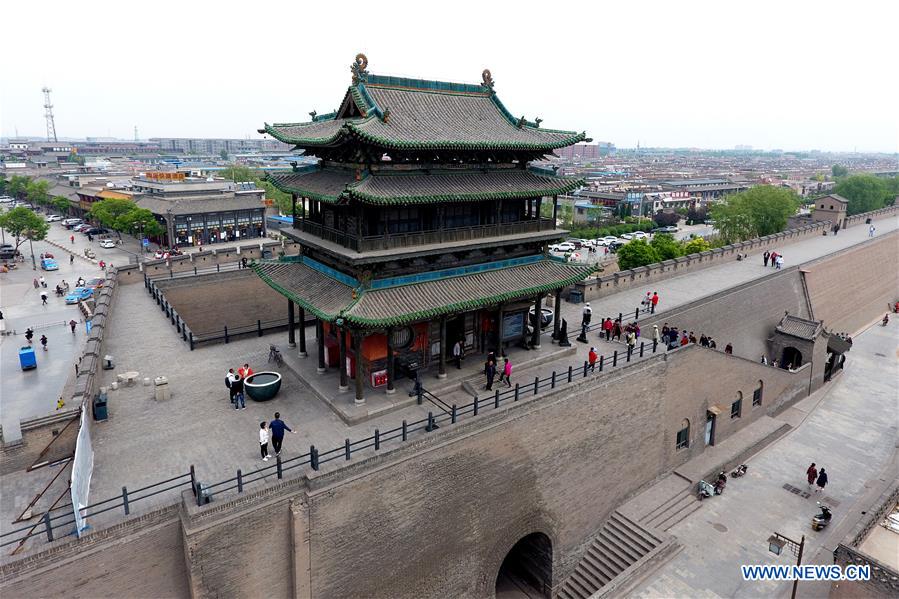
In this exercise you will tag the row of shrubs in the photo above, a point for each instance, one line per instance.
(616, 230)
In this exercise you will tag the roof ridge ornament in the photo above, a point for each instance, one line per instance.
(313, 114)
(522, 122)
(360, 75)
(487, 80)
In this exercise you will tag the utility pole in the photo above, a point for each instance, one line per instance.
(136, 138)
(48, 114)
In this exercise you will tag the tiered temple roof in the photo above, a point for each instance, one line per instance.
(401, 300)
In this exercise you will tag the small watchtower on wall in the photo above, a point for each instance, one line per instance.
(832, 208)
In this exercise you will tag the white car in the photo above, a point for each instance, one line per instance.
(610, 239)
(565, 246)
(5, 199)
(627, 236)
(641, 235)
(107, 243)
(53, 218)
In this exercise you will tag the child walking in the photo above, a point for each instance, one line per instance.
(263, 441)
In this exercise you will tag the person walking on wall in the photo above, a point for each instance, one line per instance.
(43, 298)
(586, 317)
(607, 328)
(591, 359)
(229, 383)
(490, 371)
(811, 474)
(44, 342)
(506, 375)
(822, 481)
(773, 259)
(780, 261)
(631, 341)
(72, 325)
(616, 330)
(729, 349)
(277, 428)
(655, 301)
(765, 257)
(457, 354)
(237, 387)
(871, 231)
(263, 441)
(656, 336)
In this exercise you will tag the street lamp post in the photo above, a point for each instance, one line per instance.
(33, 263)
(777, 542)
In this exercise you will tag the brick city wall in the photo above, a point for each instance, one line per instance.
(851, 289)
(744, 316)
(439, 514)
(143, 557)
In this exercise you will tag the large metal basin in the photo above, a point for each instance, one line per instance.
(262, 386)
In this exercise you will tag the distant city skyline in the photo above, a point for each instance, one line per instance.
(791, 76)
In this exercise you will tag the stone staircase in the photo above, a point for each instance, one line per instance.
(672, 511)
(615, 550)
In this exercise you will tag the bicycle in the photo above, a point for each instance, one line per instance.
(275, 354)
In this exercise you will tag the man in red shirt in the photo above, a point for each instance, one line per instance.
(591, 358)
(655, 301)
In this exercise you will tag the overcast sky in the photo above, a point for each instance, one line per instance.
(786, 74)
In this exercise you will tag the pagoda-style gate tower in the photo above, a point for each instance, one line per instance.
(421, 226)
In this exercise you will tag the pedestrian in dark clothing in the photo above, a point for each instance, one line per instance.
(729, 349)
(457, 354)
(44, 342)
(243, 262)
(72, 325)
(29, 335)
(490, 371)
(237, 389)
(811, 474)
(703, 340)
(665, 329)
(712, 343)
(277, 427)
(765, 257)
(692, 337)
(43, 298)
(822, 481)
(229, 382)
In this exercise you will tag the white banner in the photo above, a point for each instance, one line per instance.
(82, 468)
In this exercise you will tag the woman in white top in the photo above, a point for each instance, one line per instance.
(263, 441)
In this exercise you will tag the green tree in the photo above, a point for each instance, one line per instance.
(239, 172)
(696, 245)
(61, 204)
(224, 154)
(16, 186)
(838, 171)
(108, 212)
(636, 253)
(758, 211)
(864, 192)
(139, 221)
(37, 192)
(23, 224)
(665, 246)
(666, 219)
(3, 183)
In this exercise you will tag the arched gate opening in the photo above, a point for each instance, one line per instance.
(527, 569)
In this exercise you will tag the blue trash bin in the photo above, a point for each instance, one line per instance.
(26, 358)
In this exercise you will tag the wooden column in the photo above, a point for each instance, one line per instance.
(555, 210)
(341, 344)
(390, 364)
(499, 328)
(539, 222)
(357, 368)
(499, 211)
(358, 226)
(293, 209)
(441, 372)
(291, 324)
(320, 341)
(538, 309)
(557, 313)
(302, 323)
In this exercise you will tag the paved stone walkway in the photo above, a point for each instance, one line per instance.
(850, 429)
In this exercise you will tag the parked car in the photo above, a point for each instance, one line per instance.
(8, 253)
(49, 264)
(627, 236)
(81, 227)
(52, 218)
(71, 222)
(641, 235)
(668, 229)
(95, 283)
(565, 246)
(95, 231)
(616, 245)
(107, 243)
(80, 293)
(5, 199)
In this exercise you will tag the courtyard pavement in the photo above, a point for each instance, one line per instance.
(850, 429)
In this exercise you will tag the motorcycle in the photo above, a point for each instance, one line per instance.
(720, 483)
(739, 471)
(821, 520)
